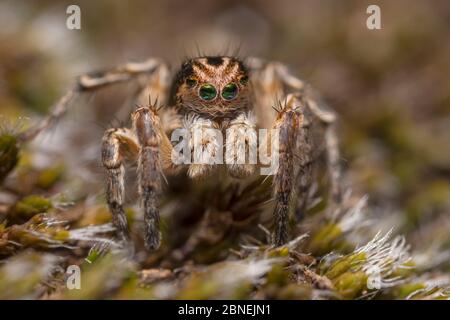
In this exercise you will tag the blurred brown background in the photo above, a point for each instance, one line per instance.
(390, 86)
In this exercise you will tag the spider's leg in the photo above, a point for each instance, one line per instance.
(154, 156)
(89, 83)
(304, 180)
(293, 159)
(117, 143)
(334, 168)
(327, 117)
(295, 155)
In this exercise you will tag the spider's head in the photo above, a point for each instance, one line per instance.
(215, 87)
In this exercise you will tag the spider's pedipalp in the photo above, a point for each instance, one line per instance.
(204, 144)
(241, 136)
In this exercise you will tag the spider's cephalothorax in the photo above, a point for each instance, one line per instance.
(214, 87)
(212, 93)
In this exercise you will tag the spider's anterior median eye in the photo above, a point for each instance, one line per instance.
(207, 92)
(191, 82)
(229, 92)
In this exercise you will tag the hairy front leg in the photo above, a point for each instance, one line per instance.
(117, 145)
(294, 159)
(154, 155)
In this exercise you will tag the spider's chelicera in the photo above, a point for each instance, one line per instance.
(214, 103)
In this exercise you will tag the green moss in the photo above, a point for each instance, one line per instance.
(294, 291)
(351, 284)
(49, 176)
(9, 154)
(61, 235)
(277, 275)
(101, 278)
(403, 291)
(93, 255)
(197, 288)
(29, 206)
(133, 290)
(242, 292)
(21, 274)
(280, 252)
(324, 240)
(344, 264)
(435, 196)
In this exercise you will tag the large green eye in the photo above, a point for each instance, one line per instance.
(229, 92)
(207, 92)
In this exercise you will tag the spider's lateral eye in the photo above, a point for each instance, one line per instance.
(191, 82)
(207, 92)
(229, 92)
(244, 80)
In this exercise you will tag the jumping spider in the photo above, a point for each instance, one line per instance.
(211, 92)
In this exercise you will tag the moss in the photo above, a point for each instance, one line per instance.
(242, 292)
(101, 278)
(131, 289)
(93, 255)
(49, 176)
(9, 154)
(280, 252)
(277, 276)
(434, 197)
(61, 235)
(351, 284)
(30, 206)
(344, 264)
(21, 274)
(325, 239)
(404, 290)
(405, 270)
(197, 288)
